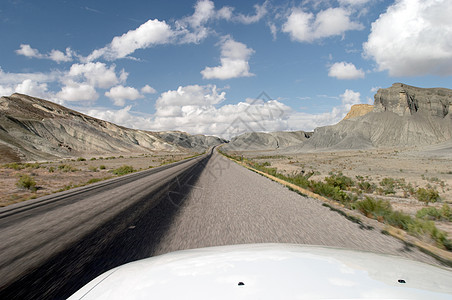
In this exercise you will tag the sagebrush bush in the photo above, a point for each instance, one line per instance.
(67, 168)
(374, 208)
(330, 191)
(366, 186)
(399, 219)
(339, 180)
(123, 170)
(432, 213)
(26, 182)
(423, 228)
(427, 195)
(388, 186)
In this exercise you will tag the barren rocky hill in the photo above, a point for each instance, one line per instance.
(402, 116)
(36, 129)
(267, 141)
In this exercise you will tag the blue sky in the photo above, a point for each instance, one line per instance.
(221, 67)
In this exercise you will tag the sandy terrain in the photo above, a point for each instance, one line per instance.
(54, 176)
(420, 168)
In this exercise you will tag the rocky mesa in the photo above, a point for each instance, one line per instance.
(402, 116)
(36, 129)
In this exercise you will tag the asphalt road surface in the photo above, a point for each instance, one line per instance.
(52, 247)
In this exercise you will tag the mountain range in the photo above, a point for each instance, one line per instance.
(402, 116)
(35, 129)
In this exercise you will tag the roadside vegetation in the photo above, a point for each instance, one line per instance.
(26, 182)
(123, 170)
(356, 193)
(23, 181)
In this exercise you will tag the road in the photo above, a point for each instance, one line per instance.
(51, 250)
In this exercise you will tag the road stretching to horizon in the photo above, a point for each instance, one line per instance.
(51, 247)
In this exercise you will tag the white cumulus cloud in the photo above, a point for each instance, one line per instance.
(147, 89)
(345, 70)
(234, 61)
(151, 33)
(199, 110)
(55, 55)
(96, 74)
(413, 37)
(119, 94)
(307, 27)
(75, 91)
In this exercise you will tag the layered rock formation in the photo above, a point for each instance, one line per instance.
(402, 116)
(36, 129)
(359, 110)
(405, 100)
(267, 141)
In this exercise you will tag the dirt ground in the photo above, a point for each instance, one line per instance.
(54, 176)
(421, 169)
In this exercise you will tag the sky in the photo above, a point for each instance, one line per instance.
(221, 67)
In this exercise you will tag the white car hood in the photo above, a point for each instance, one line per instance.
(271, 271)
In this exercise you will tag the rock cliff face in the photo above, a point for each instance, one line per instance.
(36, 129)
(359, 110)
(405, 100)
(402, 116)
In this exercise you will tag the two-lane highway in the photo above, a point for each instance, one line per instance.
(208, 201)
(47, 244)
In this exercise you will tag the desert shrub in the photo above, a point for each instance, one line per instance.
(26, 182)
(300, 180)
(408, 189)
(67, 168)
(330, 191)
(81, 159)
(399, 220)
(93, 180)
(264, 168)
(102, 167)
(446, 212)
(427, 195)
(93, 169)
(14, 166)
(423, 228)
(51, 169)
(374, 208)
(428, 213)
(388, 186)
(366, 186)
(123, 170)
(339, 180)
(93, 158)
(32, 165)
(432, 213)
